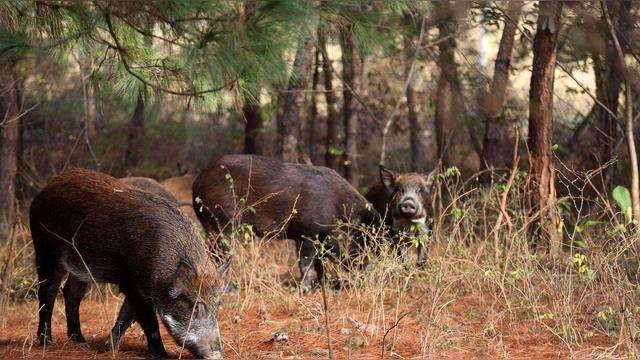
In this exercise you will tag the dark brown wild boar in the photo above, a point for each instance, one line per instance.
(152, 186)
(404, 202)
(305, 202)
(98, 229)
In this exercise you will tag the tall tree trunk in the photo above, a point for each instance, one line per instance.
(633, 155)
(332, 159)
(10, 107)
(445, 85)
(352, 75)
(609, 77)
(313, 109)
(86, 69)
(136, 133)
(544, 202)
(253, 125)
(414, 125)
(498, 135)
(294, 98)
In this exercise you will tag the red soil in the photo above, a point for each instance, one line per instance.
(462, 331)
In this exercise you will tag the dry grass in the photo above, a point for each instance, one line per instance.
(473, 299)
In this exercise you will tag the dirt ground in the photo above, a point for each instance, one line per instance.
(415, 323)
(250, 335)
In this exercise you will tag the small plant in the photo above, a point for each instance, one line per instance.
(623, 198)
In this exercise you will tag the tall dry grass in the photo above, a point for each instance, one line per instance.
(481, 269)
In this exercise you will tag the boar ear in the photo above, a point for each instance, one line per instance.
(223, 271)
(185, 274)
(430, 178)
(387, 178)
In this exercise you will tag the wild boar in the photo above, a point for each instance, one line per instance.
(152, 186)
(96, 228)
(304, 202)
(182, 188)
(404, 202)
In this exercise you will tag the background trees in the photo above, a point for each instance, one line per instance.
(158, 88)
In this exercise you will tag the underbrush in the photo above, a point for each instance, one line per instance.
(483, 288)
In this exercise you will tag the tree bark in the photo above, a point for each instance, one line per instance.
(544, 202)
(136, 133)
(293, 103)
(10, 107)
(332, 160)
(313, 109)
(414, 125)
(352, 76)
(253, 128)
(633, 155)
(498, 135)
(608, 69)
(445, 85)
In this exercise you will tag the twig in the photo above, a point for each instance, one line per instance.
(325, 305)
(503, 201)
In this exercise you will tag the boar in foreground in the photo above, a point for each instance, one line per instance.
(96, 228)
(404, 202)
(304, 202)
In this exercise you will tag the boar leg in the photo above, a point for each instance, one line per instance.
(422, 255)
(403, 252)
(74, 291)
(125, 318)
(146, 316)
(307, 253)
(50, 274)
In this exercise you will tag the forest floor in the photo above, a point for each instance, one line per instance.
(417, 323)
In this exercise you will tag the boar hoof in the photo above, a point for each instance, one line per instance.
(77, 338)
(45, 339)
(157, 354)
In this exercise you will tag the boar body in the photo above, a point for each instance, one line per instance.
(304, 202)
(98, 229)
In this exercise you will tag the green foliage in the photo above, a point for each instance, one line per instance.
(622, 196)
(191, 48)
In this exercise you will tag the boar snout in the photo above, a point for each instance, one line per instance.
(200, 336)
(408, 208)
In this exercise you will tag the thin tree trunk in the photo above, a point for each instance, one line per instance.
(88, 92)
(10, 107)
(633, 155)
(293, 103)
(90, 100)
(313, 111)
(253, 125)
(445, 87)
(352, 75)
(498, 135)
(609, 77)
(332, 159)
(544, 202)
(136, 134)
(414, 125)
